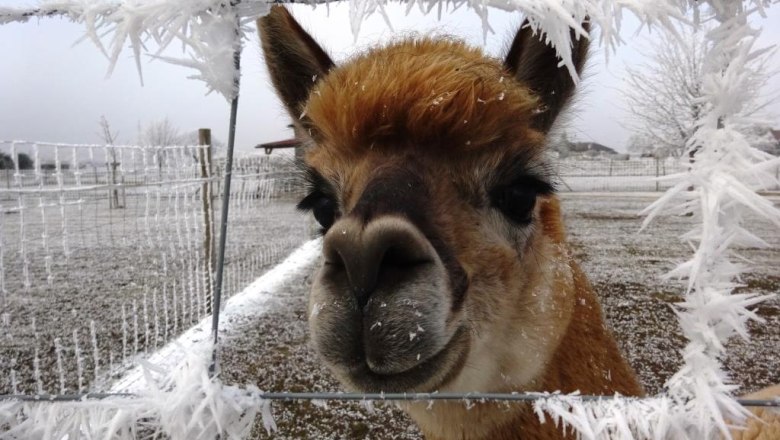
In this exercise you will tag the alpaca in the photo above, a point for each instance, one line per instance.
(445, 263)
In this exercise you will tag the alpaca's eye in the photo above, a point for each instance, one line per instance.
(516, 202)
(324, 210)
(322, 206)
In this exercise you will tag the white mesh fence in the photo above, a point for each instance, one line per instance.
(611, 175)
(106, 253)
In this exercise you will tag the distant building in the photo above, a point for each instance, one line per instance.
(776, 136)
(564, 148)
(583, 147)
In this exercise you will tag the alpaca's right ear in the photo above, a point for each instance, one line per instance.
(536, 64)
(294, 59)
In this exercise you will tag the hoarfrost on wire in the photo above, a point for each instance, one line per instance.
(211, 31)
(721, 183)
(183, 403)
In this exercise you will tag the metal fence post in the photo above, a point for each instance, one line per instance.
(226, 195)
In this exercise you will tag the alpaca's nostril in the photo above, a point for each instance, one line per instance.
(381, 252)
(400, 257)
(392, 258)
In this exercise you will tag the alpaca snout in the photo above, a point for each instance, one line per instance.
(393, 294)
(385, 251)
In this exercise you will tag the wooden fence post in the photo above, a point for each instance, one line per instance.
(113, 190)
(204, 157)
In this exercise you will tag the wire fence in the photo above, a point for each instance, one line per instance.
(580, 174)
(107, 253)
(386, 397)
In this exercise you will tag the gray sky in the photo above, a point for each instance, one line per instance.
(51, 90)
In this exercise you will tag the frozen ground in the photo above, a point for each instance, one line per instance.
(624, 267)
(130, 272)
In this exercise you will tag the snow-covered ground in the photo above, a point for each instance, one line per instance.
(624, 266)
(243, 307)
(127, 272)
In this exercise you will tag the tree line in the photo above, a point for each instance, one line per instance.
(664, 96)
(7, 162)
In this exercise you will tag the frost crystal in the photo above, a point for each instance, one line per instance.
(209, 31)
(721, 183)
(183, 403)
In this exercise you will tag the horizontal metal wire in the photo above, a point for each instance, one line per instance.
(494, 397)
(76, 397)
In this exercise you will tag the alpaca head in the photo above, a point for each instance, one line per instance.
(442, 236)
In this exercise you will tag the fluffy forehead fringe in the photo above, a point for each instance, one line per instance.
(431, 93)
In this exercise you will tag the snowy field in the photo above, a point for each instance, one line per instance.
(624, 267)
(132, 280)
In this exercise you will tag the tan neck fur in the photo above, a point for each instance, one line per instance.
(586, 359)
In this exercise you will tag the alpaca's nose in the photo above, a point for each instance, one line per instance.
(382, 251)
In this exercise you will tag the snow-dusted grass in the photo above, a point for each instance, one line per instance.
(174, 393)
(116, 279)
(245, 306)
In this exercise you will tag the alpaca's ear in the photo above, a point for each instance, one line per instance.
(535, 64)
(294, 59)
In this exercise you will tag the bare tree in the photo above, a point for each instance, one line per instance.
(109, 138)
(159, 133)
(664, 94)
(105, 133)
(191, 139)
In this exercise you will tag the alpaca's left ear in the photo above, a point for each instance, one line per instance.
(294, 59)
(535, 64)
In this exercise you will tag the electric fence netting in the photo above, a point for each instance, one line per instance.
(178, 228)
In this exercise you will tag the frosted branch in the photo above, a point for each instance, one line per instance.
(206, 30)
(724, 174)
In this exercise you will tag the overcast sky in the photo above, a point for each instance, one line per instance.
(51, 90)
